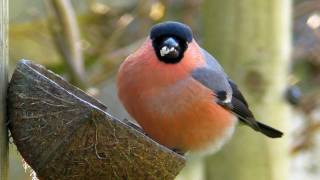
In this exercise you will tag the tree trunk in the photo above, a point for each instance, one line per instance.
(252, 41)
(3, 89)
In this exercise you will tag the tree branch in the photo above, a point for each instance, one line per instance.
(66, 34)
(3, 89)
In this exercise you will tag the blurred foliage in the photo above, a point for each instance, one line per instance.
(104, 26)
(306, 70)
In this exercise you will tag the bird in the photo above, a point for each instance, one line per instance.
(180, 95)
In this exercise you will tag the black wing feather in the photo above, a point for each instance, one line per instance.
(244, 114)
(241, 110)
(236, 93)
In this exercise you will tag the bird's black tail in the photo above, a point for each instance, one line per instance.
(269, 131)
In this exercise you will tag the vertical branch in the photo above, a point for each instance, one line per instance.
(66, 34)
(3, 89)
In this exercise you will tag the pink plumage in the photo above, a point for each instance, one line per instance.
(171, 107)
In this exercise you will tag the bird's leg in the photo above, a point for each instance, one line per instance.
(179, 151)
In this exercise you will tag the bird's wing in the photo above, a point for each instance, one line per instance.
(241, 109)
(228, 95)
(216, 81)
(213, 76)
(236, 93)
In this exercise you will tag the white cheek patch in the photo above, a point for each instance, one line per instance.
(165, 50)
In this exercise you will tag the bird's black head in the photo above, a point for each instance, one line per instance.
(170, 40)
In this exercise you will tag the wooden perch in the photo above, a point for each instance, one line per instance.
(63, 133)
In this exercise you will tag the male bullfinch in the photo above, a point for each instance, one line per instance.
(179, 93)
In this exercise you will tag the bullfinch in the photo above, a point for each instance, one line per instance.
(180, 94)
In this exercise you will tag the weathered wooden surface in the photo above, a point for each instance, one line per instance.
(65, 134)
(4, 18)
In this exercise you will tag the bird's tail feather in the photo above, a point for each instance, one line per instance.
(269, 131)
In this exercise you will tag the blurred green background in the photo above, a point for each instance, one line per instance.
(278, 40)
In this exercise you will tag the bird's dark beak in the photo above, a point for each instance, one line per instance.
(170, 48)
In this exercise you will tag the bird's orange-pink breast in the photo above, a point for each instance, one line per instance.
(168, 103)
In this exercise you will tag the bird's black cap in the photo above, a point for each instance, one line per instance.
(171, 28)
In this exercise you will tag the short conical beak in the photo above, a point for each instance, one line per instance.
(170, 47)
